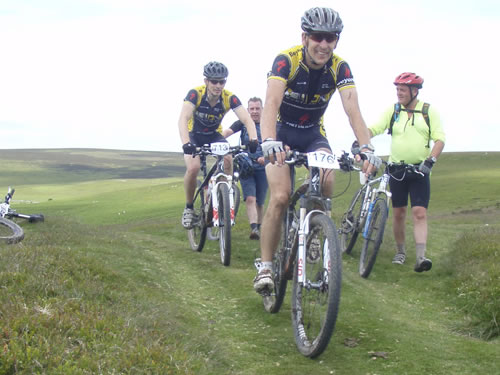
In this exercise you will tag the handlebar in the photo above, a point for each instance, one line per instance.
(207, 150)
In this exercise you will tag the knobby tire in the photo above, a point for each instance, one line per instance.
(198, 233)
(10, 232)
(224, 224)
(375, 235)
(315, 305)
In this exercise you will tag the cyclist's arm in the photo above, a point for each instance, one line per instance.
(245, 118)
(186, 114)
(274, 98)
(437, 149)
(227, 132)
(349, 97)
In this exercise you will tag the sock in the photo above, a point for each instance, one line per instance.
(420, 247)
(253, 226)
(267, 265)
(189, 205)
(401, 248)
(258, 226)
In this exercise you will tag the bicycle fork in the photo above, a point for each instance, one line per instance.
(301, 252)
(215, 202)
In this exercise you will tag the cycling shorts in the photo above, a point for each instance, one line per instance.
(199, 139)
(255, 186)
(302, 140)
(416, 186)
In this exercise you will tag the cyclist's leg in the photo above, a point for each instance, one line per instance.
(399, 200)
(278, 178)
(261, 192)
(192, 170)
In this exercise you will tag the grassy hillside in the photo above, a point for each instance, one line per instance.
(108, 284)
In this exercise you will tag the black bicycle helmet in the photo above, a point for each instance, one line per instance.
(215, 69)
(244, 164)
(321, 20)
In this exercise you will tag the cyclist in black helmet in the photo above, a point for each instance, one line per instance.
(301, 83)
(200, 120)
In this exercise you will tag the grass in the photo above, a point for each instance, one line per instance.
(108, 285)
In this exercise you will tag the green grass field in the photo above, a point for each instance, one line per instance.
(108, 283)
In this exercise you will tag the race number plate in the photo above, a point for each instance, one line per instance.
(219, 148)
(322, 159)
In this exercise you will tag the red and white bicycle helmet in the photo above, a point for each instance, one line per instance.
(409, 79)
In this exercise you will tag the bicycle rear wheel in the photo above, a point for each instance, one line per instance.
(237, 198)
(287, 247)
(10, 232)
(349, 227)
(374, 236)
(224, 224)
(198, 233)
(315, 303)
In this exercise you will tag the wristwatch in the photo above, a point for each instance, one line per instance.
(433, 159)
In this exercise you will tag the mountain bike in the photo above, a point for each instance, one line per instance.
(214, 200)
(213, 232)
(309, 254)
(367, 214)
(10, 231)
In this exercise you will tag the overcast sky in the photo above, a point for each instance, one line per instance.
(113, 73)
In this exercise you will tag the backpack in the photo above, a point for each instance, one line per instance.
(424, 112)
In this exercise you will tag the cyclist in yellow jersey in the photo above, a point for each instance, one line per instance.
(410, 144)
(200, 123)
(300, 85)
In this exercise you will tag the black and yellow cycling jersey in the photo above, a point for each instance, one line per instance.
(206, 119)
(308, 91)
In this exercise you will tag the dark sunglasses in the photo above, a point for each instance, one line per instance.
(319, 37)
(216, 81)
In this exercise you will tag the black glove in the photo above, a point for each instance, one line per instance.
(426, 166)
(252, 145)
(189, 148)
(355, 148)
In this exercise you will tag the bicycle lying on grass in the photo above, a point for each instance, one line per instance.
(10, 231)
(309, 254)
(214, 200)
(367, 214)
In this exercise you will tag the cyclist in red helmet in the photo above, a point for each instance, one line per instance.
(412, 124)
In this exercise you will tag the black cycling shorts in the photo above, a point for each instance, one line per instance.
(302, 140)
(199, 139)
(416, 186)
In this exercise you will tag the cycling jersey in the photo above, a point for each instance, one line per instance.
(206, 119)
(410, 136)
(308, 91)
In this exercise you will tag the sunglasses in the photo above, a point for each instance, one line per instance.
(216, 81)
(319, 37)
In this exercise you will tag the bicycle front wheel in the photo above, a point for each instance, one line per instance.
(224, 224)
(198, 233)
(349, 227)
(10, 232)
(373, 237)
(315, 302)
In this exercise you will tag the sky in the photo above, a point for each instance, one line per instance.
(113, 74)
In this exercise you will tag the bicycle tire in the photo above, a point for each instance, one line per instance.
(224, 224)
(349, 227)
(237, 198)
(198, 233)
(10, 232)
(374, 238)
(274, 301)
(315, 306)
